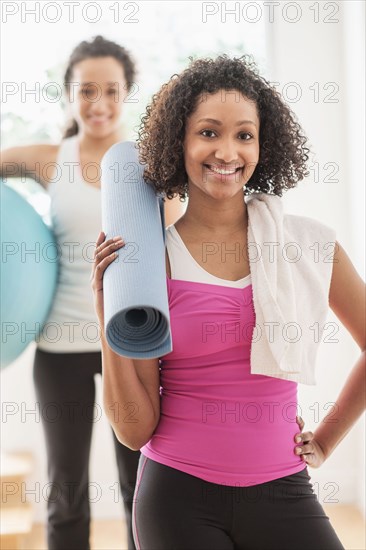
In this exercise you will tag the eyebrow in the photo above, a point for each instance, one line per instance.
(219, 123)
(87, 83)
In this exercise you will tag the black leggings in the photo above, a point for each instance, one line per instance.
(177, 511)
(65, 390)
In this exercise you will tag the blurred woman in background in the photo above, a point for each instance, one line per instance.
(99, 76)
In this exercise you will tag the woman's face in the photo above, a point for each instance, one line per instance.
(221, 145)
(96, 95)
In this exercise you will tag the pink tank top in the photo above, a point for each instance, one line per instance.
(218, 421)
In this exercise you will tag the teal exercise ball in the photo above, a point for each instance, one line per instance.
(29, 269)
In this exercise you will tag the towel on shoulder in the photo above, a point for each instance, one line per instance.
(291, 261)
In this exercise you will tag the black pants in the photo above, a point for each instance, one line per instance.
(176, 511)
(65, 390)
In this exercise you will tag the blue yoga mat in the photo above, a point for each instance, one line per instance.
(136, 308)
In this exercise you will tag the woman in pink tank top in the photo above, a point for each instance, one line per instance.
(220, 469)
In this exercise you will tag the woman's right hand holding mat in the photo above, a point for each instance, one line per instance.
(105, 253)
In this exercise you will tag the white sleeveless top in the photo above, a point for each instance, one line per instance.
(72, 324)
(184, 267)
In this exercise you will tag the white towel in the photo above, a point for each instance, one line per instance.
(291, 260)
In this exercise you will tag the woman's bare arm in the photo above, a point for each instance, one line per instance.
(131, 388)
(347, 300)
(131, 396)
(28, 162)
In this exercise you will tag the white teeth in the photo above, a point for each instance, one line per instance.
(223, 172)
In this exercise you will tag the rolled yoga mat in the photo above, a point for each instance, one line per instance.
(136, 308)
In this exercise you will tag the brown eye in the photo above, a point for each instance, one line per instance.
(209, 131)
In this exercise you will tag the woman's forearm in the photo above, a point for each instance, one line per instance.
(126, 402)
(349, 406)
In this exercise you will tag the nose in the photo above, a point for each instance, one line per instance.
(100, 103)
(99, 106)
(226, 151)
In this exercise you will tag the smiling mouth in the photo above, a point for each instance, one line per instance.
(223, 171)
(98, 119)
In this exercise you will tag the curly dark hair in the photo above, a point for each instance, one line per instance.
(283, 154)
(98, 47)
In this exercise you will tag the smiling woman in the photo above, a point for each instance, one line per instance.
(97, 81)
(96, 109)
(206, 90)
(220, 147)
(215, 133)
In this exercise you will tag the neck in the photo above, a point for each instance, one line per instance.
(216, 217)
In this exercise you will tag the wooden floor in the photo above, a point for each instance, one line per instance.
(111, 535)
